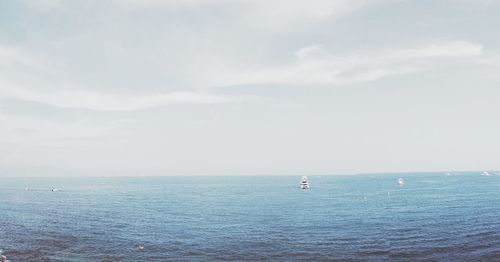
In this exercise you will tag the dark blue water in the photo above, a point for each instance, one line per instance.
(432, 218)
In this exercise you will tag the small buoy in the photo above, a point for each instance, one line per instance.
(141, 247)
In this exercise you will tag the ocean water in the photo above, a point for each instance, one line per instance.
(341, 218)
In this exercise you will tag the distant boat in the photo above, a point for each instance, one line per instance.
(447, 174)
(485, 173)
(304, 183)
(55, 190)
(401, 181)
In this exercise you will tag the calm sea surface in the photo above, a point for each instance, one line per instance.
(432, 218)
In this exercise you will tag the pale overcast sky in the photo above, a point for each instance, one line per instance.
(242, 87)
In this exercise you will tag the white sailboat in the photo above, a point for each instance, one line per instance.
(401, 181)
(304, 183)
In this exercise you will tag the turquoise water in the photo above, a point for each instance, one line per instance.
(433, 217)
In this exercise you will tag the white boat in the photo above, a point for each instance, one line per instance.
(447, 174)
(55, 190)
(304, 183)
(401, 181)
(485, 173)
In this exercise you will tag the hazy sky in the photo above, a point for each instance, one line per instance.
(230, 87)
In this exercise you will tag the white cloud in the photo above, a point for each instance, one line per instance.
(15, 62)
(316, 65)
(457, 48)
(312, 65)
(109, 102)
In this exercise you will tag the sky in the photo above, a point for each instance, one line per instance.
(246, 87)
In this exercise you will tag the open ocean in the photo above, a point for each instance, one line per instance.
(432, 218)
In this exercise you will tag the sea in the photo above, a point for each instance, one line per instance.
(432, 217)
